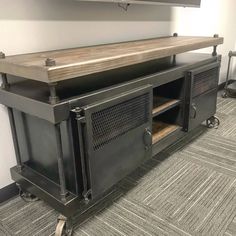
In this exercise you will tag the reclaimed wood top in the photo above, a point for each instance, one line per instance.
(75, 62)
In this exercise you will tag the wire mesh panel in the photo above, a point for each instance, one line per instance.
(205, 81)
(112, 122)
(116, 137)
(201, 93)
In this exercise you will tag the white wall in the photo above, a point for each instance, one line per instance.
(214, 17)
(37, 25)
(32, 25)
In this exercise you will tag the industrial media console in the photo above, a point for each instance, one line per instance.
(84, 118)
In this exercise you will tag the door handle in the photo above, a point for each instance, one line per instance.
(147, 138)
(194, 111)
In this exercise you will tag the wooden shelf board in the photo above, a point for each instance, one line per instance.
(160, 130)
(71, 63)
(161, 104)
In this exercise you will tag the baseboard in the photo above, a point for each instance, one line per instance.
(222, 85)
(8, 192)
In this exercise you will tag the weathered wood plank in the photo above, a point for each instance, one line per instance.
(160, 130)
(160, 104)
(77, 62)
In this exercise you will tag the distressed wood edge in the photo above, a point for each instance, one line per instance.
(120, 62)
(51, 74)
(34, 73)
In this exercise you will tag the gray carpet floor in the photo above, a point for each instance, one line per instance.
(189, 189)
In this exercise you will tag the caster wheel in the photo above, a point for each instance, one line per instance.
(26, 196)
(224, 94)
(63, 229)
(213, 122)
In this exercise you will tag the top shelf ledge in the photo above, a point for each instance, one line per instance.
(75, 62)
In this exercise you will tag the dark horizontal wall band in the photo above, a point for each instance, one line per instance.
(8, 192)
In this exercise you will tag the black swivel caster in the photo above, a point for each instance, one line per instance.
(64, 227)
(26, 196)
(213, 122)
(224, 94)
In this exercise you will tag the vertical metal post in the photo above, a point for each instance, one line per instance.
(60, 163)
(5, 85)
(80, 119)
(228, 70)
(53, 98)
(174, 56)
(214, 53)
(14, 136)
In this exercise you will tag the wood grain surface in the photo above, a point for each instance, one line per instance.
(71, 63)
(161, 130)
(160, 104)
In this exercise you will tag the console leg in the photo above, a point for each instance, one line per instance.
(53, 98)
(60, 163)
(214, 53)
(14, 136)
(225, 94)
(5, 84)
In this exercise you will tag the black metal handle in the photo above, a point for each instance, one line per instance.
(147, 138)
(194, 111)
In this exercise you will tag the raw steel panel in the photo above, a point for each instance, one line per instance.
(116, 141)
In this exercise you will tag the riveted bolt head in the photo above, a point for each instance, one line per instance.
(50, 62)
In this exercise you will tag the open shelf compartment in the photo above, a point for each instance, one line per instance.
(166, 123)
(161, 130)
(162, 104)
(167, 96)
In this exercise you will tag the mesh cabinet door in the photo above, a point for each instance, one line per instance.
(201, 94)
(117, 135)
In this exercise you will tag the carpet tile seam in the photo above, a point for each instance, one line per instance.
(110, 226)
(198, 199)
(170, 182)
(128, 221)
(219, 201)
(214, 164)
(159, 218)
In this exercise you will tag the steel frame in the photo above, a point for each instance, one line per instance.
(57, 111)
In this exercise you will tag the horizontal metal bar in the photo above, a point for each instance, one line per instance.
(156, 80)
(61, 111)
(51, 113)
